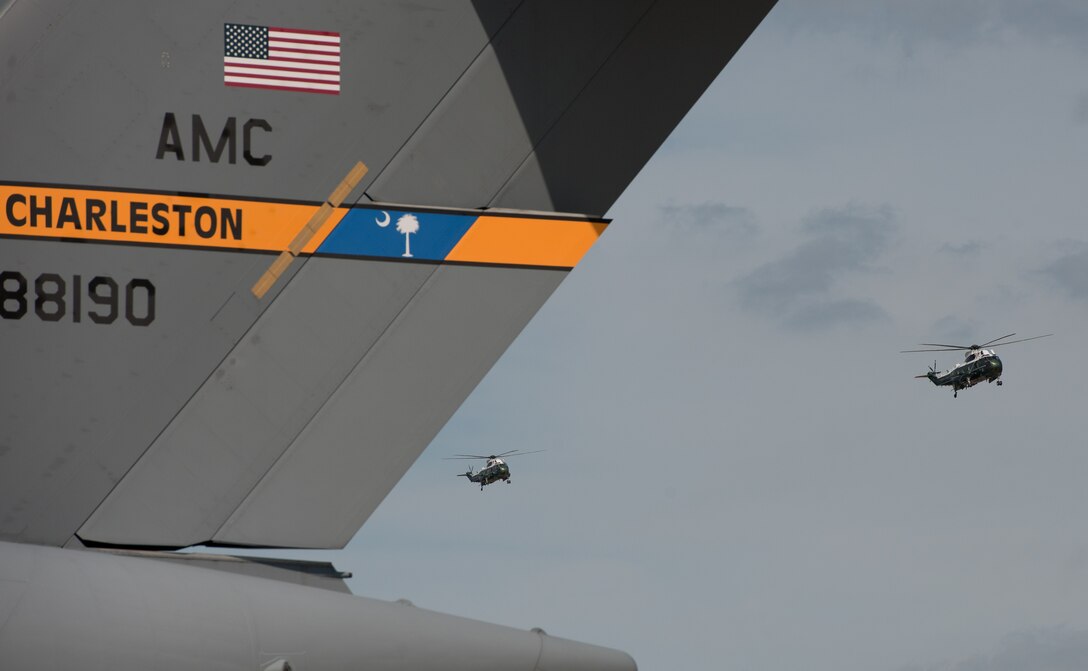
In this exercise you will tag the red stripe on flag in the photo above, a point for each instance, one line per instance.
(304, 32)
(292, 50)
(282, 67)
(282, 88)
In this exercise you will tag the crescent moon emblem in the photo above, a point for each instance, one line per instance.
(383, 222)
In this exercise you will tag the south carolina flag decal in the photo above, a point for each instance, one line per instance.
(286, 59)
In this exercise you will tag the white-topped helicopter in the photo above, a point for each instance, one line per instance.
(494, 470)
(978, 364)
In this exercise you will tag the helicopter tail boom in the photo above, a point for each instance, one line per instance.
(932, 376)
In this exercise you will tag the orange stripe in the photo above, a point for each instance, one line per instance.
(152, 218)
(530, 242)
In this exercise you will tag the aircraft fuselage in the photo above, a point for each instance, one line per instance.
(75, 609)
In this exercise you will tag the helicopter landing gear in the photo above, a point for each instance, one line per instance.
(999, 383)
(507, 481)
(955, 394)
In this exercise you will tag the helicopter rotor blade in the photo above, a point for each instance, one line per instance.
(1020, 340)
(985, 344)
(941, 347)
(503, 455)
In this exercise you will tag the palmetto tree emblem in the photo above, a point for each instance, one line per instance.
(407, 224)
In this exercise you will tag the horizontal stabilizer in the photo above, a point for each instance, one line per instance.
(322, 575)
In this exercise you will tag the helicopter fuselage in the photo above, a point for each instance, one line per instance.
(981, 365)
(493, 471)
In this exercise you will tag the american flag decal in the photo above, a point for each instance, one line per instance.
(286, 59)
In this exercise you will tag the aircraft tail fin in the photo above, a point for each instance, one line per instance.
(205, 343)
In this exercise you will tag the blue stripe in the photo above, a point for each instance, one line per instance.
(359, 234)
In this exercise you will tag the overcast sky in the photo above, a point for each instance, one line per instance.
(741, 471)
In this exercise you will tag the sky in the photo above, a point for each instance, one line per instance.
(740, 471)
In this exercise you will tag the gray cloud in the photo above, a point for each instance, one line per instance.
(827, 314)
(737, 223)
(1080, 109)
(954, 329)
(1043, 18)
(969, 248)
(1070, 272)
(797, 288)
(1049, 649)
(954, 24)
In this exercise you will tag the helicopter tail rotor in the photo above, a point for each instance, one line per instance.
(932, 371)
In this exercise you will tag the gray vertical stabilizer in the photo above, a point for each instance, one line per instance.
(150, 396)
